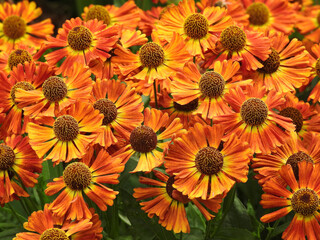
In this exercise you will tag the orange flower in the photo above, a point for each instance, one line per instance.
(302, 197)
(169, 204)
(149, 18)
(203, 165)
(309, 23)
(88, 177)
(15, 25)
(315, 71)
(199, 30)
(66, 136)
(254, 120)
(18, 164)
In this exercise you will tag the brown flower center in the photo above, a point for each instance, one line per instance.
(318, 18)
(258, 13)
(107, 108)
(143, 139)
(54, 234)
(14, 27)
(318, 67)
(211, 84)
(233, 38)
(66, 128)
(196, 26)
(77, 176)
(189, 107)
(272, 63)
(305, 201)
(98, 12)
(80, 38)
(54, 89)
(295, 158)
(23, 85)
(151, 55)
(254, 111)
(295, 115)
(18, 56)
(221, 4)
(209, 160)
(7, 157)
(169, 187)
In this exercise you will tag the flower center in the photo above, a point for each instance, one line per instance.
(7, 157)
(209, 160)
(77, 176)
(189, 107)
(151, 55)
(305, 201)
(211, 84)
(318, 67)
(295, 158)
(79, 38)
(54, 89)
(23, 85)
(107, 108)
(18, 56)
(272, 63)
(66, 128)
(196, 26)
(295, 115)
(221, 4)
(318, 18)
(98, 12)
(54, 234)
(233, 38)
(14, 27)
(258, 13)
(143, 139)
(169, 187)
(254, 111)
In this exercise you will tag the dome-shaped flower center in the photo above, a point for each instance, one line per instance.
(14, 27)
(54, 89)
(233, 38)
(107, 108)
(254, 111)
(272, 63)
(295, 158)
(295, 115)
(66, 128)
(209, 160)
(221, 4)
(318, 67)
(151, 55)
(98, 12)
(258, 13)
(305, 201)
(143, 139)
(196, 26)
(77, 176)
(211, 84)
(189, 107)
(23, 85)
(54, 234)
(7, 157)
(18, 56)
(79, 38)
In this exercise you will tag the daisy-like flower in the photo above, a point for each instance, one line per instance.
(66, 136)
(302, 197)
(274, 15)
(88, 177)
(199, 30)
(315, 71)
(149, 18)
(309, 23)
(80, 42)
(169, 204)
(121, 107)
(203, 165)
(148, 143)
(155, 60)
(127, 15)
(254, 120)
(209, 88)
(57, 93)
(44, 225)
(15, 25)
(287, 66)
(18, 165)
(245, 46)
(27, 77)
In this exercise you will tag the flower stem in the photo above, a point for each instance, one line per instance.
(14, 213)
(275, 225)
(155, 94)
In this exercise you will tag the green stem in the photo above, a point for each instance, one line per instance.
(115, 220)
(155, 94)
(180, 236)
(14, 213)
(275, 225)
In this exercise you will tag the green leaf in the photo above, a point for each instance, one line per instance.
(10, 232)
(196, 219)
(230, 233)
(280, 229)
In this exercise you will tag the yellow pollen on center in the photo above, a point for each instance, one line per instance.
(14, 27)
(80, 38)
(77, 176)
(7, 157)
(305, 201)
(258, 13)
(18, 56)
(233, 38)
(54, 234)
(196, 26)
(151, 55)
(317, 68)
(22, 85)
(98, 12)
(254, 111)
